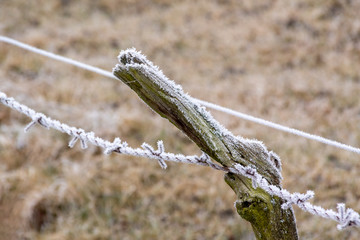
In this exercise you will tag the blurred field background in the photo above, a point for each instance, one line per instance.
(291, 62)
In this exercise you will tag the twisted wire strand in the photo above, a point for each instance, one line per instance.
(344, 216)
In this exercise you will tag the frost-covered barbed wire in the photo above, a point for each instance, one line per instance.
(202, 102)
(344, 216)
(117, 145)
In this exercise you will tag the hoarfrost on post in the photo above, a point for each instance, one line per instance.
(132, 59)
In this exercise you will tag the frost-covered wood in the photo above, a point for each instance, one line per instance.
(262, 210)
(346, 217)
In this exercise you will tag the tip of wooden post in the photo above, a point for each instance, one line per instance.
(131, 56)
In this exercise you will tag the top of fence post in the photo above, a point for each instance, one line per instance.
(262, 210)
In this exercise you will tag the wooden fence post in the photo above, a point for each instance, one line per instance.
(263, 211)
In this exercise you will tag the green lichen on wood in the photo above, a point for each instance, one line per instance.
(264, 212)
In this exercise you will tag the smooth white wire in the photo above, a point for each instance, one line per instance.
(280, 127)
(57, 57)
(202, 102)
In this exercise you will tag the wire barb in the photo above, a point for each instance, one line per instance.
(347, 217)
(156, 154)
(73, 141)
(38, 119)
(115, 146)
(204, 158)
(298, 198)
(160, 151)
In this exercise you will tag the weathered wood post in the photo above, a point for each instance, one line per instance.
(263, 211)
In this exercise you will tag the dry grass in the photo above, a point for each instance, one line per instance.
(293, 62)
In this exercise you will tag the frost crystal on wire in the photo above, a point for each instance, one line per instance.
(345, 216)
(37, 119)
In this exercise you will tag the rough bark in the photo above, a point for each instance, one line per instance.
(263, 211)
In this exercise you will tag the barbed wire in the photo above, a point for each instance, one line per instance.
(344, 216)
(202, 102)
